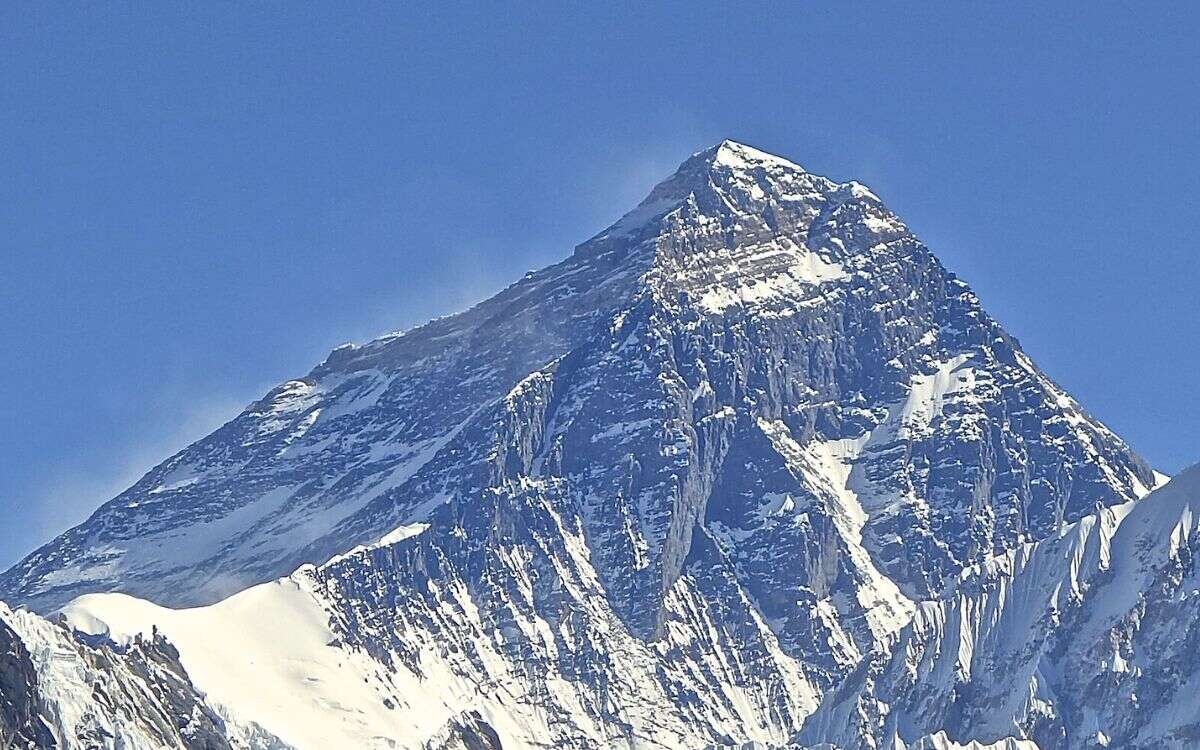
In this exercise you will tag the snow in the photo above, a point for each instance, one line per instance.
(804, 271)
(859, 190)
(640, 217)
(941, 741)
(882, 225)
(740, 156)
(65, 678)
(264, 653)
(176, 479)
(85, 693)
(928, 394)
(1099, 575)
(396, 535)
(736, 159)
(1149, 533)
(400, 533)
(829, 465)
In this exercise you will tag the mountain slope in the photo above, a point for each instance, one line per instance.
(745, 283)
(1084, 640)
(59, 691)
(403, 645)
(237, 507)
(669, 492)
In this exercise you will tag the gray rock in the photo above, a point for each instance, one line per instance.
(21, 724)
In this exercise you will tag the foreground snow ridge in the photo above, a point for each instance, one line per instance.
(750, 468)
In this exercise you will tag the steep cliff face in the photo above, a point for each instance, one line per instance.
(1083, 640)
(57, 690)
(669, 492)
(21, 723)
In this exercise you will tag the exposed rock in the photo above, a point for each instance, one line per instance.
(683, 489)
(21, 724)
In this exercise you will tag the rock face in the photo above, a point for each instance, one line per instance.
(681, 489)
(21, 724)
(58, 691)
(1087, 639)
(466, 732)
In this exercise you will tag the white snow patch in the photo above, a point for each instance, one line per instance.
(398, 534)
(264, 654)
(828, 466)
(928, 394)
(808, 270)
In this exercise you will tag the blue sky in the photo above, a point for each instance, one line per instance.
(199, 201)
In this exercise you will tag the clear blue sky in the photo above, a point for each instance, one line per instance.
(200, 201)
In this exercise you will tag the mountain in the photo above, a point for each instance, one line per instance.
(1087, 639)
(692, 486)
(59, 690)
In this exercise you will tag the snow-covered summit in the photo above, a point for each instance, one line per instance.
(707, 179)
(833, 311)
(740, 156)
(671, 491)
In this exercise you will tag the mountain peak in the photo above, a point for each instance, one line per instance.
(727, 159)
(720, 175)
(754, 463)
(735, 155)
